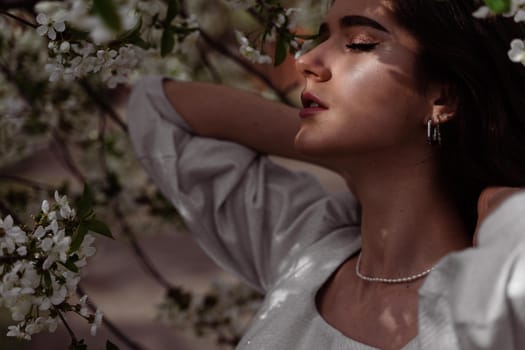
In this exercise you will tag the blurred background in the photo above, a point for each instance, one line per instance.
(155, 286)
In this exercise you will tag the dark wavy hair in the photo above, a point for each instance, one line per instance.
(484, 145)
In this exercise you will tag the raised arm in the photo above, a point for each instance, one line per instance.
(234, 115)
(251, 215)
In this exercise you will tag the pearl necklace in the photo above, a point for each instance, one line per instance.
(388, 280)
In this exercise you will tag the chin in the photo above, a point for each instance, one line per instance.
(313, 147)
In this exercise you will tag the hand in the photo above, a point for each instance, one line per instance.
(489, 199)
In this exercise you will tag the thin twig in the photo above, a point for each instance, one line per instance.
(10, 76)
(110, 325)
(246, 65)
(126, 228)
(9, 259)
(104, 105)
(19, 19)
(69, 330)
(217, 46)
(66, 158)
(27, 182)
(102, 146)
(143, 258)
(7, 211)
(214, 73)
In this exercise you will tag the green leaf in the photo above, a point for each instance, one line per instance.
(167, 42)
(99, 227)
(47, 279)
(70, 266)
(107, 11)
(111, 346)
(86, 203)
(173, 9)
(138, 41)
(78, 345)
(74, 34)
(82, 230)
(499, 6)
(281, 50)
(132, 33)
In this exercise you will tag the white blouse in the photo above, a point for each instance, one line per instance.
(282, 234)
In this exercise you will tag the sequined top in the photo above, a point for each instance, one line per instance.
(281, 233)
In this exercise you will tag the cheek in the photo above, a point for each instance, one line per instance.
(376, 97)
(373, 106)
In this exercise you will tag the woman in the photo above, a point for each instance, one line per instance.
(416, 105)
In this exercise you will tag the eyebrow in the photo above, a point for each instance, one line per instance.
(354, 21)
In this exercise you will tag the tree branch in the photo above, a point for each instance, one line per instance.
(27, 182)
(74, 339)
(19, 19)
(214, 73)
(142, 257)
(110, 325)
(7, 211)
(9, 259)
(246, 65)
(104, 105)
(65, 157)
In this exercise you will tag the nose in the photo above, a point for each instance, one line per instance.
(312, 65)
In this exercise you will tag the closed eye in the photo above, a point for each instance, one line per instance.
(362, 46)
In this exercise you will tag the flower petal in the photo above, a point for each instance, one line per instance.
(42, 19)
(482, 12)
(59, 26)
(51, 34)
(42, 30)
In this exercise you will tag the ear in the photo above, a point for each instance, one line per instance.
(444, 102)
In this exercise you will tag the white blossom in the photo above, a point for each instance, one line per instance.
(84, 311)
(30, 288)
(516, 11)
(13, 236)
(306, 46)
(64, 47)
(65, 210)
(249, 52)
(281, 20)
(519, 16)
(482, 12)
(290, 13)
(517, 51)
(14, 331)
(96, 322)
(49, 27)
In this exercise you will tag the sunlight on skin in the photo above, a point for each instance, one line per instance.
(384, 233)
(388, 320)
(408, 319)
(393, 324)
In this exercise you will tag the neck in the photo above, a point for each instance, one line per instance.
(409, 220)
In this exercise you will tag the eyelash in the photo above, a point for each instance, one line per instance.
(362, 46)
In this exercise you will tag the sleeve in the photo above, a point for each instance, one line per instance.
(485, 285)
(249, 214)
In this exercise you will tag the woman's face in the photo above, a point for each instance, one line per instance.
(364, 74)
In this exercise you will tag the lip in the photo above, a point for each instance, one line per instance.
(307, 98)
